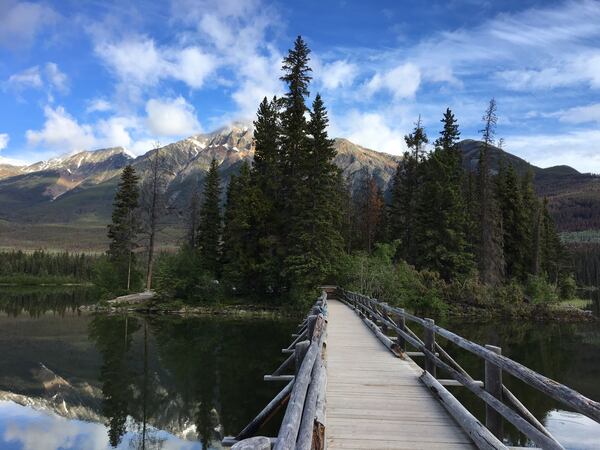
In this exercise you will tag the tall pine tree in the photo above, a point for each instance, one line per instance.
(125, 226)
(209, 227)
(403, 208)
(442, 215)
(490, 249)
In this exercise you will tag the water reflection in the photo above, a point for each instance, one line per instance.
(25, 428)
(140, 383)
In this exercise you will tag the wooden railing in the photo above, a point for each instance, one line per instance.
(303, 425)
(383, 319)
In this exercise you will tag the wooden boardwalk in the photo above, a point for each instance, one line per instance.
(375, 400)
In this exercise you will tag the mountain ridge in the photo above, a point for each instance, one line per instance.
(79, 187)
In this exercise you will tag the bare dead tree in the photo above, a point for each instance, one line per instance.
(153, 205)
(193, 216)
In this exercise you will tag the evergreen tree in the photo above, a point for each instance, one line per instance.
(267, 173)
(490, 248)
(315, 241)
(515, 238)
(442, 216)
(407, 180)
(370, 212)
(239, 244)
(209, 228)
(125, 227)
(551, 248)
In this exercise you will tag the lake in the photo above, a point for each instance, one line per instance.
(72, 380)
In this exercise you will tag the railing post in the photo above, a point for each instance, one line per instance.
(493, 385)
(384, 327)
(299, 353)
(401, 322)
(430, 345)
(311, 321)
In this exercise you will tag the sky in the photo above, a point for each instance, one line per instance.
(87, 74)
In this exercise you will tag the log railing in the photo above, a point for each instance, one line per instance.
(500, 402)
(303, 424)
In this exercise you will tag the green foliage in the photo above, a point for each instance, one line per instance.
(124, 228)
(377, 275)
(539, 290)
(39, 267)
(182, 276)
(209, 228)
(441, 213)
(111, 280)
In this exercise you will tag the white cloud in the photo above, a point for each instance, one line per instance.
(28, 78)
(371, 130)
(50, 77)
(338, 74)
(61, 132)
(577, 149)
(98, 105)
(402, 81)
(4, 138)
(57, 79)
(137, 63)
(581, 114)
(171, 117)
(20, 22)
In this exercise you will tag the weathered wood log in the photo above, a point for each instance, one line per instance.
(307, 424)
(450, 382)
(278, 377)
(268, 411)
(552, 388)
(519, 422)
(320, 417)
(515, 403)
(288, 433)
(493, 385)
(300, 353)
(254, 443)
(478, 433)
(401, 323)
(382, 337)
(430, 345)
(312, 320)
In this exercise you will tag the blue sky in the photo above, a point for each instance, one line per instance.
(78, 74)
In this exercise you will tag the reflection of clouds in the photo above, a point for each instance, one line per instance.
(27, 429)
(574, 431)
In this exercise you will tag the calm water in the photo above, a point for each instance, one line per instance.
(78, 381)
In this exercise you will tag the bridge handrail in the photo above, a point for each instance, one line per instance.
(303, 424)
(376, 311)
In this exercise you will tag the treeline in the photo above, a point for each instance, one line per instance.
(586, 261)
(290, 222)
(40, 265)
(460, 224)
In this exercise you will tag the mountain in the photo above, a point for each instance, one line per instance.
(77, 190)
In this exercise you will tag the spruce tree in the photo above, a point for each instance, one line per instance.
(515, 239)
(370, 212)
(552, 251)
(125, 226)
(209, 228)
(442, 216)
(315, 241)
(240, 251)
(267, 172)
(407, 180)
(490, 249)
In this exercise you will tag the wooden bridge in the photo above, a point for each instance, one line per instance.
(356, 386)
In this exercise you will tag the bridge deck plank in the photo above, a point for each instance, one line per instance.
(375, 400)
